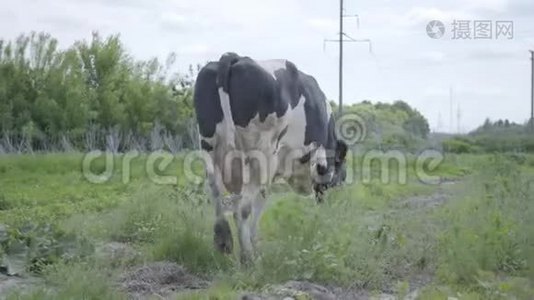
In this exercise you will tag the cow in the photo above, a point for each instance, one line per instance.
(259, 121)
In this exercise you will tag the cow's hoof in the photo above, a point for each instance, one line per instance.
(319, 198)
(246, 260)
(223, 236)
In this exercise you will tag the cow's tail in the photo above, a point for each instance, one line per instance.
(223, 75)
(223, 83)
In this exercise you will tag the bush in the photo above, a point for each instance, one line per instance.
(459, 146)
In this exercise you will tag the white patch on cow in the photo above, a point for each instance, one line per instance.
(262, 136)
(328, 109)
(295, 135)
(273, 65)
(319, 158)
(227, 122)
(292, 148)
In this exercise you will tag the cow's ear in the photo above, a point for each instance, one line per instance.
(341, 150)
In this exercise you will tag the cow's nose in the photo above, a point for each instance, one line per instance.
(322, 170)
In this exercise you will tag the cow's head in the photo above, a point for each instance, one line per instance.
(335, 173)
(340, 172)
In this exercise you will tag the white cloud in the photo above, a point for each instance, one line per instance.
(435, 91)
(433, 56)
(495, 54)
(487, 5)
(484, 91)
(418, 15)
(324, 24)
(194, 49)
(173, 20)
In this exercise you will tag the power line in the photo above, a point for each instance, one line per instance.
(340, 58)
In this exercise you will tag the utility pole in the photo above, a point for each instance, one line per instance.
(340, 58)
(343, 37)
(458, 119)
(451, 117)
(531, 121)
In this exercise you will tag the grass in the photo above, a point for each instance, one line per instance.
(72, 281)
(489, 231)
(477, 245)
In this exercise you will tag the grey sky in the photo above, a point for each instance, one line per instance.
(490, 78)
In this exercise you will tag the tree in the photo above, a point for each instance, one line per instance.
(90, 85)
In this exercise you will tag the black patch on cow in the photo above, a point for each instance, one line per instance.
(322, 170)
(306, 158)
(206, 99)
(253, 91)
(317, 127)
(205, 146)
(341, 152)
(331, 142)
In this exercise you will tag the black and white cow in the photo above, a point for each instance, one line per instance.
(260, 120)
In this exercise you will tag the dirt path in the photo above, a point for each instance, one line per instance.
(439, 197)
(161, 279)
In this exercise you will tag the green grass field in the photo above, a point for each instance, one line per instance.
(472, 238)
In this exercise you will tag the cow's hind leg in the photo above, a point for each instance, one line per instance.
(222, 237)
(242, 216)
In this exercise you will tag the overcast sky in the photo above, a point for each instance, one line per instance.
(489, 78)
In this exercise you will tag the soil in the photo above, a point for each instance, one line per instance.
(161, 279)
(8, 283)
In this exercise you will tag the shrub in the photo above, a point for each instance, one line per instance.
(458, 146)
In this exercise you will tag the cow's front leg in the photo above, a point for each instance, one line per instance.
(319, 190)
(222, 237)
(257, 209)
